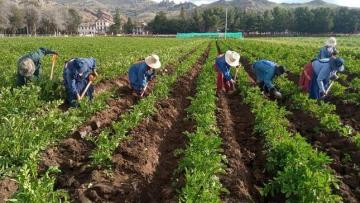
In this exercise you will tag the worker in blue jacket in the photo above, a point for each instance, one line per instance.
(78, 73)
(142, 72)
(329, 49)
(324, 71)
(29, 65)
(223, 63)
(265, 72)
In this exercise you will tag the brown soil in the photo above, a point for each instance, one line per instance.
(345, 155)
(7, 188)
(143, 165)
(243, 149)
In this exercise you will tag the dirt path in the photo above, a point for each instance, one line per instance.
(243, 149)
(143, 164)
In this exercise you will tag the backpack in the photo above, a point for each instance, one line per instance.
(305, 77)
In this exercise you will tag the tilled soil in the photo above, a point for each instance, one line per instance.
(348, 112)
(243, 149)
(143, 165)
(342, 150)
(8, 187)
(345, 155)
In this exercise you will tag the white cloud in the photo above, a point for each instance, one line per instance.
(350, 3)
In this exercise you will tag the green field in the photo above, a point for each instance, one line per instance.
(181, 142)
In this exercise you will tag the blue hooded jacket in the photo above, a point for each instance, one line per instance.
(139, 75)
(265, 72)
(76, 73)
(323, 70)
(326, 52)
(223, 67)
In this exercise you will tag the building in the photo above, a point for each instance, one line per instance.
(140, 28)
(96, 23)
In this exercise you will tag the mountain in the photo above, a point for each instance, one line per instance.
(264, 4)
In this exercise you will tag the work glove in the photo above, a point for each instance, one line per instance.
(323, 94)
(334, 77)
(274, 92)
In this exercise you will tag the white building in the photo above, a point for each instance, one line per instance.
(99, 26)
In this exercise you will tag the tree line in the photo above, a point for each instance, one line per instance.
(301, 20)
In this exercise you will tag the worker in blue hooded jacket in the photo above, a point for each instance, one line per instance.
(78, 72)
(29, 65)
(265, 72)
(324, 71)
(142, 72)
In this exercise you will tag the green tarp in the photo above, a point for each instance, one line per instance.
(236, 35)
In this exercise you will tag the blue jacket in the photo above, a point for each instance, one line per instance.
(265, 72)
(326, 52)
(72, 77)
(323, 71)
(36, 56)
(139, 75)
(223, 67)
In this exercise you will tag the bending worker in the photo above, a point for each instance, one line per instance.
(324, 70)
(328, 50)
(265, 72)
(223, 63)
(142, 72)
(78, 74)
(29, 65)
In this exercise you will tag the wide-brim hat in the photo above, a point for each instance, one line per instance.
(331, 42)
(153, 61)
(232, 58)
(26, 67)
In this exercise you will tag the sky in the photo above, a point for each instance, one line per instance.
(350, 3)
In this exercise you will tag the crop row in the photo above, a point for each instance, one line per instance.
(299, 172)
(203, 160)
(49, 126)
(108, 140)
(320, 110)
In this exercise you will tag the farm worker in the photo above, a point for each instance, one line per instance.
(29, 65)
(78, 73)
(223, 63)
(265, 72)
(329, 48)
(142, 72)
(324, 70)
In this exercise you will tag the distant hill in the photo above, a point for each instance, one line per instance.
(145, 10)
(264, 4)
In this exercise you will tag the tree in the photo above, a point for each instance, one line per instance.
(159, 24)
(31, 19)
(16, 19)
(303, 19)
(323, 22)
(129, 26)
(280, 19)
(116, 27)
(73, 21)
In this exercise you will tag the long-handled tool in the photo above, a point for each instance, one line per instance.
(328, 89)
(91, 79)
(53, 59)
(142, 94)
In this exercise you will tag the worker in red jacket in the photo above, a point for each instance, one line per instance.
(223, 63)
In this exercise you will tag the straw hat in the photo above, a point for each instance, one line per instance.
(26, 67)
(331, 42)
(153, 61)
(232, 58)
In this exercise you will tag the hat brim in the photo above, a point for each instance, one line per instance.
(156, 65)
(232, 64)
